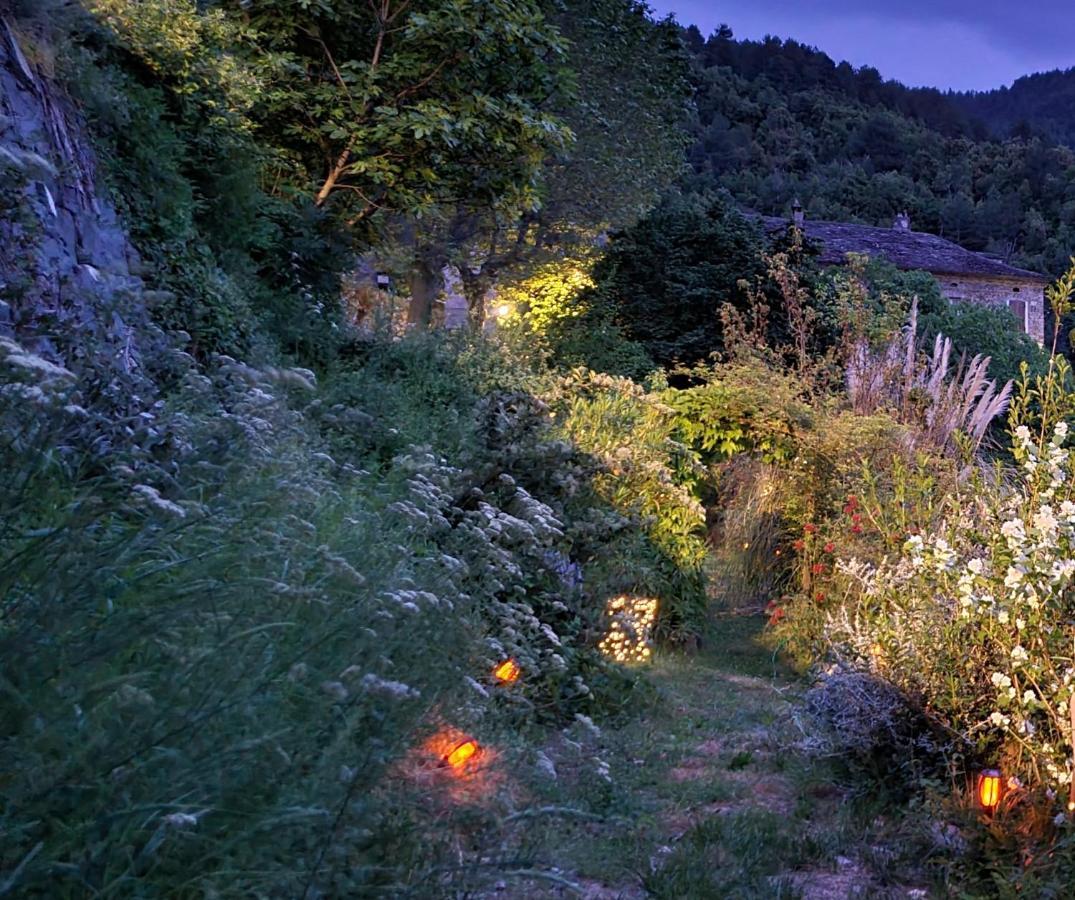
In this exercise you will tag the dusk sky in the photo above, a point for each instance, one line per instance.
(960, 44)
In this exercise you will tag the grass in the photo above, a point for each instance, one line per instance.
(709, 796)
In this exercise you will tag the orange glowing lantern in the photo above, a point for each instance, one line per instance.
(462, 754)
(507, 672)
(989, 789)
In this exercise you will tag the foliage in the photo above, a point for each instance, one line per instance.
(646, 474)
(231, 629)
(1034, 104)
(778, 121)
(664, 281)
(553, 318)
(403, 106)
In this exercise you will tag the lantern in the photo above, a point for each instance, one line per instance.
(462, 754)
(989, 789)
(507, 672)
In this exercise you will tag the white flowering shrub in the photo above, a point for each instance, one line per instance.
(973, 619)
(220, 637)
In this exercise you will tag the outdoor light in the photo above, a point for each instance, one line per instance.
(629, 638)
(462, 754)
(503, 310)
(989, 788)
(507, 672)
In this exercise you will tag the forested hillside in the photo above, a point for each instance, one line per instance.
(777, 120)
(1040, 104)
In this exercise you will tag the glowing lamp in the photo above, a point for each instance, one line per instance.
(462, 754)
(507, 672)
(989, 789)
(503, 310)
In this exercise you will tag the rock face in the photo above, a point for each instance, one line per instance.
(67, 268)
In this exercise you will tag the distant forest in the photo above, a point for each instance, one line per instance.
(778, 120)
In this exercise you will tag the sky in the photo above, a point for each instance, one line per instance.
(959, 44)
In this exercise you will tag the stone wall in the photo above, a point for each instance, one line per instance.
(1000, 292)
(68, 272)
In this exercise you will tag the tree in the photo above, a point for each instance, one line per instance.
(665, 281)
(626, 106)
(403, 105)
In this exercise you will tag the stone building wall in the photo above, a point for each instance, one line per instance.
(1013, 293)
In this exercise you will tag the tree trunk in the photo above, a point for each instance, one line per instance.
(475, 287)
(424, 283)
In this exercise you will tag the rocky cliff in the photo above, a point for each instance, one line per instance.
(70, 280)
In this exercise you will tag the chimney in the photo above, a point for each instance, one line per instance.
(798, 217)
(902, 222)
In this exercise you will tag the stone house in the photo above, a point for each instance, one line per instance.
(961, 274)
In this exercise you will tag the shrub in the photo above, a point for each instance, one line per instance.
(217, 647)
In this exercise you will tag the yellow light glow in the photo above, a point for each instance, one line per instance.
(989, 789)
(507, 672)
(462, 754)
(629, 636)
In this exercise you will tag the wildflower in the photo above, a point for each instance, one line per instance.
(830, 547)
(999, 719)
(856, 529)
(1001, 680)
(799, 546)
(809, 528)
(372, 684)
(335, 689)
(819, 596)
(817, 568)
(1013, 578)
(182, 819)
(1019, 654)
(1045, 522)
(588, 723)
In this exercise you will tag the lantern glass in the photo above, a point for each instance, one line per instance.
(989, 789)
(507, 672)
(462, 754)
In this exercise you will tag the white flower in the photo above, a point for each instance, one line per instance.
(372, 684)
(1002, 617)
(1045, 522)
(1019, 654)
(1013, 578)
(1022, 435)
(1029, 698)
(1001, 680)
(999, 719)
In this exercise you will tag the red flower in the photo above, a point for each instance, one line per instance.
(829, 547)
(856, 518)
(819, 596)
(809, 528)
(817, 568)
(776, 613)
(799, 546)
(856, 529)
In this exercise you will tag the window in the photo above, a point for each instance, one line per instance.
(1018, 308)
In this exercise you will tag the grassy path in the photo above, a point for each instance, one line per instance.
(710, 796)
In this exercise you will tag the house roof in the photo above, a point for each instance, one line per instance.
(905, 249)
